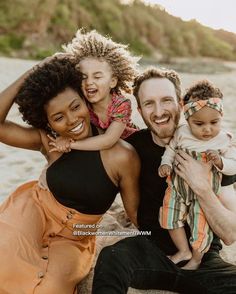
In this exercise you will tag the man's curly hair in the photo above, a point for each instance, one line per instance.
(44, 83)
(202, 90)
(93, 44)
(153, 72)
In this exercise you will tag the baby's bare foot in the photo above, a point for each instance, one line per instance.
(193, 264)
(181, 256)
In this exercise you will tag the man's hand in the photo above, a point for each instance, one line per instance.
(215, 157)
(195, 173)
(164, 170)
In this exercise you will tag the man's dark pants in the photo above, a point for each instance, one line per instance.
(137, 262)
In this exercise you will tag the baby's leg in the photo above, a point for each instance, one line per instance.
(172, 215)
(195, 261)
(201, 235)
(179, 238)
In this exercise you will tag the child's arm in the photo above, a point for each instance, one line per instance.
(168, 157)
(226, 163)
(99, 142)
(60, 144)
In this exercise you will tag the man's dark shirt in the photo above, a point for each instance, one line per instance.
(152, 191)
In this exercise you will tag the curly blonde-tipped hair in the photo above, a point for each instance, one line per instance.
(153, 72)
(93, 44)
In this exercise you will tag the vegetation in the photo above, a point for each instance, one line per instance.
(36, 28)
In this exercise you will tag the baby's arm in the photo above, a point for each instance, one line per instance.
(103, 141)
(167, 160)
(226, 162)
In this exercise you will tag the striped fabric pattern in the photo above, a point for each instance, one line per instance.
(180, 205)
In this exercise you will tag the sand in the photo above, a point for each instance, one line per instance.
(19, 166)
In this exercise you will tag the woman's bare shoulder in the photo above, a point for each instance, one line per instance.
(123, 153)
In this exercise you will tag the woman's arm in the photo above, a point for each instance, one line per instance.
(220, 216)
(12, 133)
(128, 164)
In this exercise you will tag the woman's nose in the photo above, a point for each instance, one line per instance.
(71, 119)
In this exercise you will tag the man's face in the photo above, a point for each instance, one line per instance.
(159, 108)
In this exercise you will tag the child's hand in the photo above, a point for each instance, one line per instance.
(215, 157)
(60, 144)
(164, 170)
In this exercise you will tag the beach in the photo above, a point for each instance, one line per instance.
(19, 166)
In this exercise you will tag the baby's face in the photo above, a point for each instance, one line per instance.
(205, 124)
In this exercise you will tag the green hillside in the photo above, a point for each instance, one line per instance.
(36, 28)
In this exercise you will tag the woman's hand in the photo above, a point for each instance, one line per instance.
(195, 173)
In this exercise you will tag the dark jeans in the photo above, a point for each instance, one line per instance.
(137, 262)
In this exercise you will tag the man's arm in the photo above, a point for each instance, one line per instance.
(220, 216)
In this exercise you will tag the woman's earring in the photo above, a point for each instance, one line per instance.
(53, 133)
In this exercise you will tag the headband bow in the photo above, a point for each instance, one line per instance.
(191, 107)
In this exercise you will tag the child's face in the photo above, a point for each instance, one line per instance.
(205, 124)
(98, 80)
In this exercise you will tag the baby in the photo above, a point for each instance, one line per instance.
(202, 138)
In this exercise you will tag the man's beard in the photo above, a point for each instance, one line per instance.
(166, 133)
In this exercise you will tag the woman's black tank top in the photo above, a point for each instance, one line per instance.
(79, 180)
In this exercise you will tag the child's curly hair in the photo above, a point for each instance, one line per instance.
(93, 44)
(202, 90)
(44, 83)
(153, 72)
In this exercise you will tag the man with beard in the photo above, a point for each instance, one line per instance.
(142, 262)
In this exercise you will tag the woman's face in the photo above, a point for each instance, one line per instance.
(68, 115)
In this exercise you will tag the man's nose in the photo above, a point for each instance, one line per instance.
(158, 109)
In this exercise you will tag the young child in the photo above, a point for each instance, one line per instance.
(202, 138)
(108, 68)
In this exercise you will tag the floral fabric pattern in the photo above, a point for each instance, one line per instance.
(119, 110)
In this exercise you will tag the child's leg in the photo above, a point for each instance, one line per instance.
(172, 215)
(179, 238)
(201, 235)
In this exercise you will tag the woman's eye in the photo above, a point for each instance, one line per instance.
(76, 107)
(58, 118)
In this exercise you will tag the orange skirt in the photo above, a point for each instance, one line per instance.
(40, 249)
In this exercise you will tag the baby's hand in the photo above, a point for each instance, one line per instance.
(164, 170)
(60, 144)
(214, 156)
